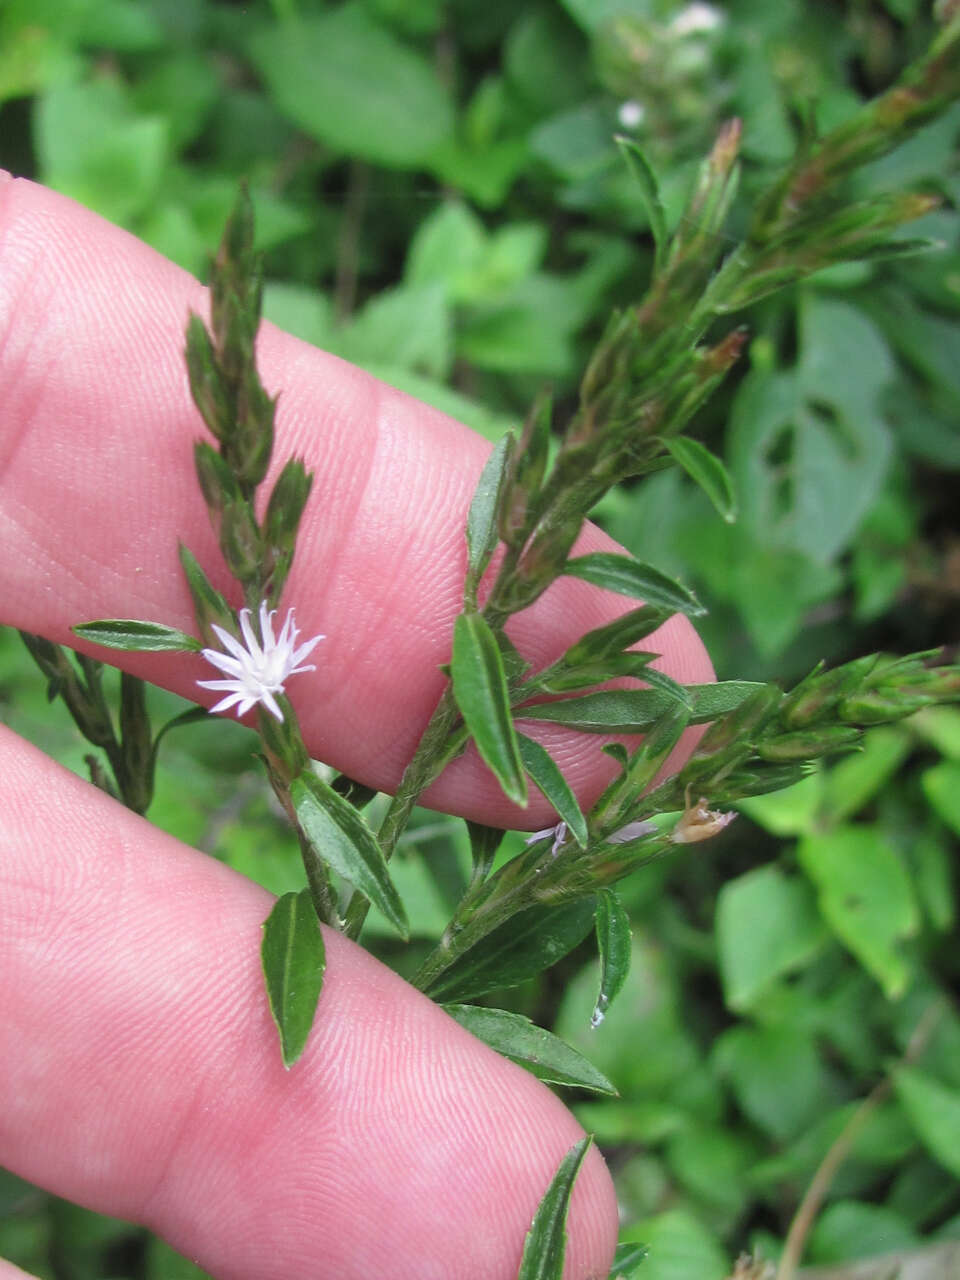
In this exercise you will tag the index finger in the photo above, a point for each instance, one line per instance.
(97, 487)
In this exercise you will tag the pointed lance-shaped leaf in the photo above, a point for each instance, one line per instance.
(627, 1259)
(340, 836)
(217, 482)
(481, 692)
(520, 948)
(207, 387)
(614, 943)
(484, 843)
(640, 169)
(543, 769)
(208, 604)
(134, 636)
(520, 1040)
(634, 710)
(629, 577)
(482, 516)
(287, 501)
(615, 636)
(525, 473)
(562, 679)
(293, 959)
(240, 540)
(546, 1243)
(706, 470)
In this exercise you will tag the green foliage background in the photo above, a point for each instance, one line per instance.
(440, 201)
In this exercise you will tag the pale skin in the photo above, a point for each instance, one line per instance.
(139, 1067)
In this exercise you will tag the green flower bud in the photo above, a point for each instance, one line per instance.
(809, 745)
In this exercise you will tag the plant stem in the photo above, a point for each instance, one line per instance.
(436, 748)
(839, 1150)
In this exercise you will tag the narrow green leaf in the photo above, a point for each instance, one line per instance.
(614, 942)
(934, 1111)
(135, 636)
(209, 605)
(629, 577)
(611, 639)
(482, 516)
(634, 710)
(520, 1040)
(546, 1242)
(559, 678)
(640, 169)
(342, 838)
(543, 769)
(484, 843)
(293, 959)
(705, 469)
(480, 688)
(522, 947)
(626, 1260)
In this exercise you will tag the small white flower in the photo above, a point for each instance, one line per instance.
(630, 114)
(258, 669)
(696, 17)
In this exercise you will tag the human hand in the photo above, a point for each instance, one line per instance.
(140, 1067)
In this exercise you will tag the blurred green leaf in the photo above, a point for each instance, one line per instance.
(480, 688)
(409, 327)
(767, 925)
(941, 785)
(95, 147)
(546, 1242)
(377, 98)
(934, 1112)
(776, 1076)
(866, 897)
(293, 958)
(680, 1248)
(852, 1229)
(520, 1040)
(341, 838)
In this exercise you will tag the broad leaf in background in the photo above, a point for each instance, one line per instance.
(767, 925)
(934, 1111)
(95, 147)
(293, 959)
(377, 97)
(519, 1039)
(480, 688)
(809, 448)
(344, 840)
(614, 943)
(546, 1242)
(866, 897)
